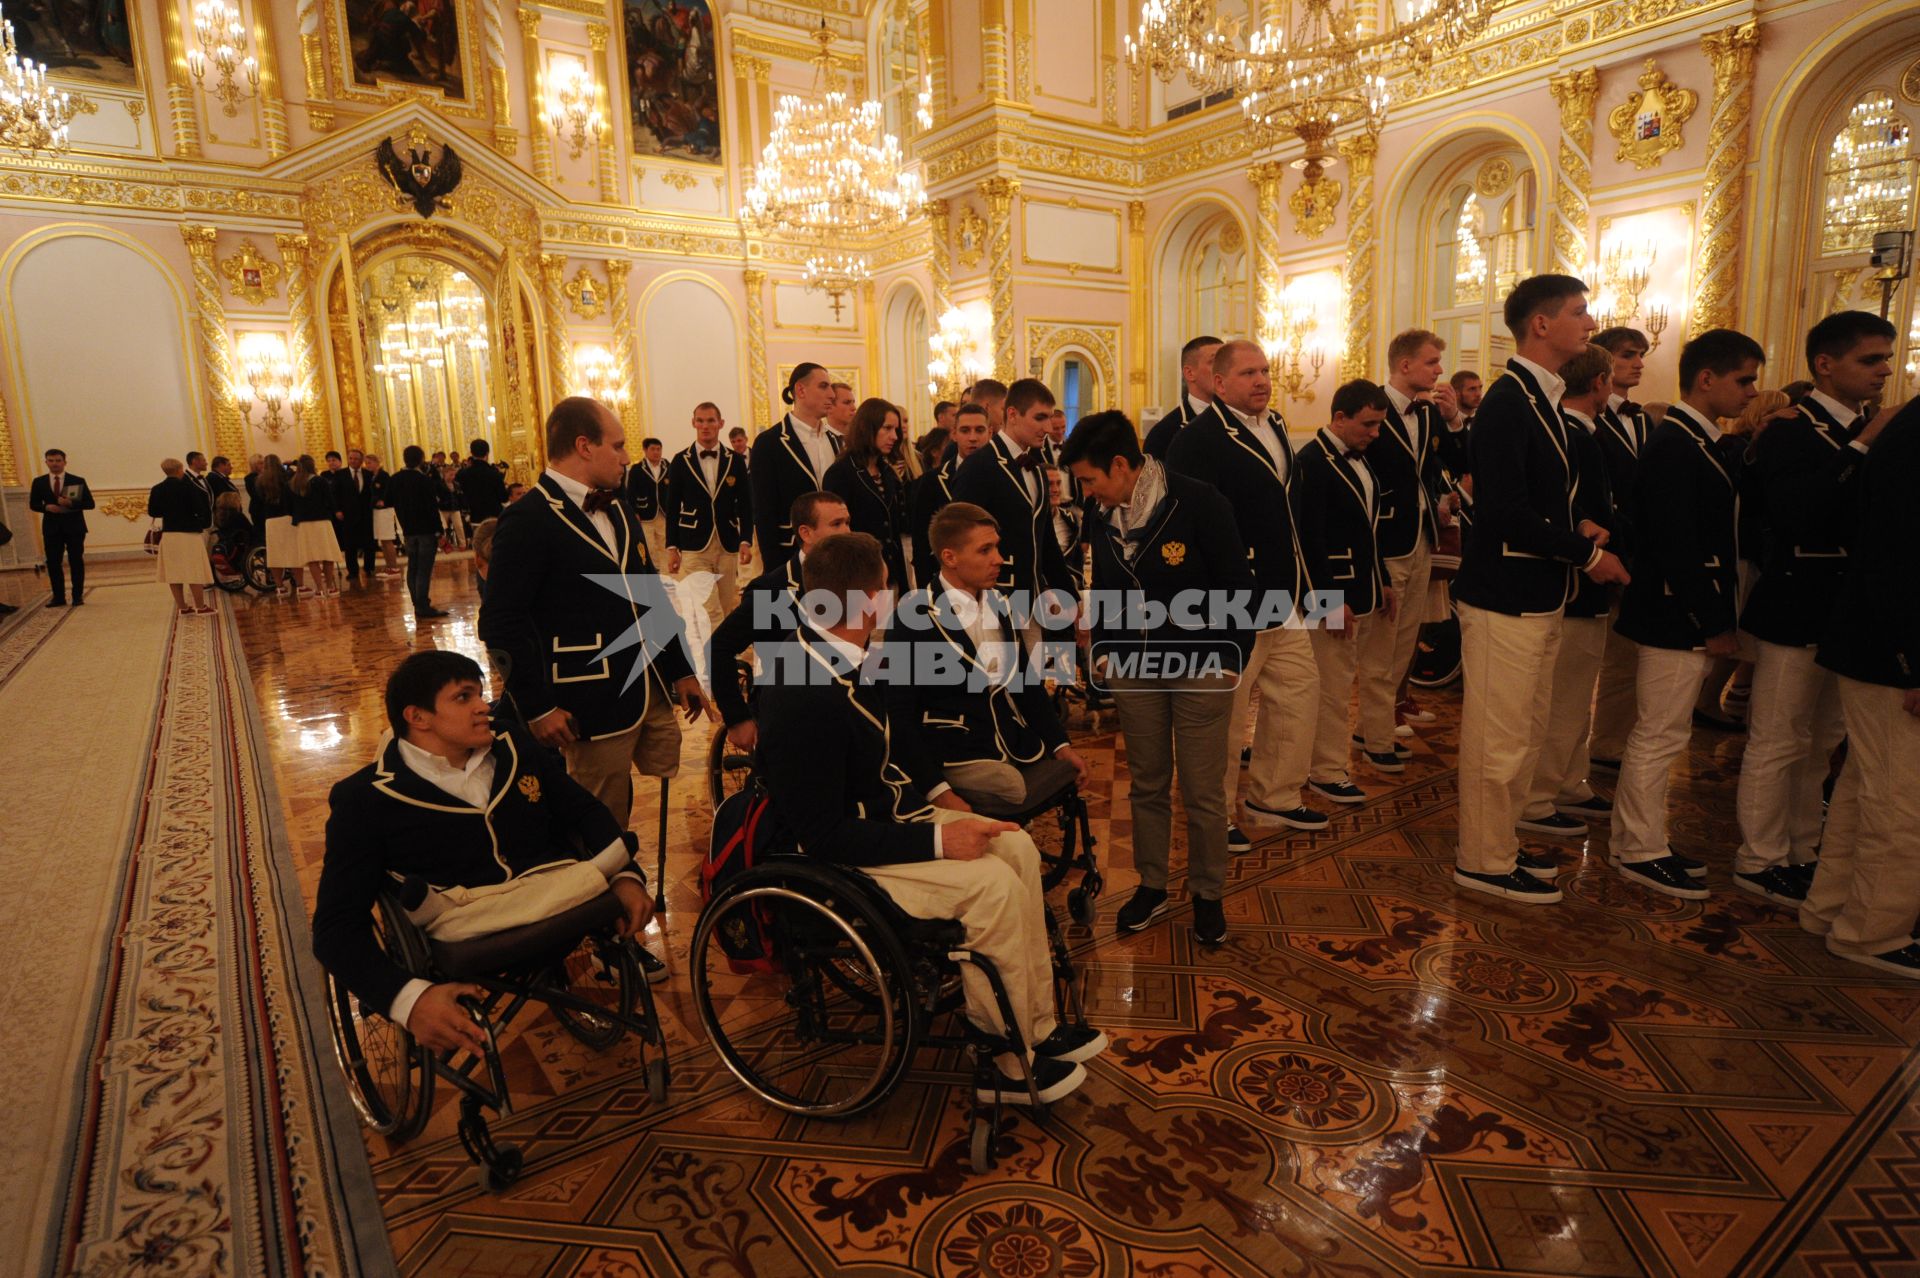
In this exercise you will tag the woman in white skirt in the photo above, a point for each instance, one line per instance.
(272, 514)
(180, 513)
(312, 505)
(386, 525)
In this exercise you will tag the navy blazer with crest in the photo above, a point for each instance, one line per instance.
(1807, 473)
(1406, 462)
(1525, 547)
(643, 491)
(386, 823)
(1336, 522)
(553, 623)
(1686, 578)
(1218, 449)
(696, 513)
(781, 474)
(1031, 559)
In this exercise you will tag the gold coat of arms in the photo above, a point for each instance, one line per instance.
(1647, 124)
(1174, 553)
(530, 786)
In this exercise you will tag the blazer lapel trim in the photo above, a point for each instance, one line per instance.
(1534, 394)
(1246, 439)
(1698, 434)
(1005, 458)
(692, 455)
(1829, 431)
(790, 440)
(1335, 461)
(393, 778)
(576, 519)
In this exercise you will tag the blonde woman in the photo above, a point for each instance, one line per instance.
(177, 510)
(316, 545)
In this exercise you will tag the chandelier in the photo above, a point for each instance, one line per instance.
(831, 172)
(574, 107)
(265, 376)
(33, 116)
(1309, 80)
(599, 376)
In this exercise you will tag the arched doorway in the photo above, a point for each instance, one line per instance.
(1203, 275)
(904, 354)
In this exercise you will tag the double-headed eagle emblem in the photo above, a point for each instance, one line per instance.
(418, 177)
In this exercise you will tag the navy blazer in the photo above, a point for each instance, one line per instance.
(1336, 520)
(1592, 499)
(643, 490)
(1807, 474)
(768, 612)
(781, 474)
(1031, 559)
(1406, 462)
(1159, 439)
(1873, 630)
(1622, 434)
(696, 513)
(1685, 512)
(1217, 449)
(876, 507)
(925, 496)
(67, 523)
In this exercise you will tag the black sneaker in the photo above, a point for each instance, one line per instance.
(1209, 921)
(1540, 867)
(1515, 885)
(1556, 824)
(1071, 1043)
(1695, 868)
(1246, 755)
(1384, 761)
(1803, 874)
(1053, 1079)
(1778, 883)
(1605, 765)
(1594, 809)
(1905, 960)
(1145, 905)
(651, 965)
(1237, 840)
(430, 614)
(1301, 818)
(1666, 876)
(1338, 791)
(1400, 748)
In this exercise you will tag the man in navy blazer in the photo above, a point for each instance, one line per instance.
(709, 512)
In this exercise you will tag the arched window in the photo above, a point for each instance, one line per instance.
(1215, 278)
(1480, 237)
(1869, 176)
(899, 73)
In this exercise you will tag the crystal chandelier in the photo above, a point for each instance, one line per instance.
(598, 375)
(831, 172)
(33, 116)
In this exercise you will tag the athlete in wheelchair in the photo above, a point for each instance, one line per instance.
(466, 875)
(894, 891)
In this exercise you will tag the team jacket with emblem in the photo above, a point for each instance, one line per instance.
(696, 513)
(387, 823)
(1031, 560)
(643, 491)
(1873, 631)
(1686, 575)
(553, 623)
(781, 473)
(1336, 523)
(1406, 461)
(1217, 449)
(1807, 475)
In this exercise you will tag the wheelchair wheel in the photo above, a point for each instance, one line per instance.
(389, 1074)
(728, 769)
(1436, 657)
(229, 568)
(259, 576)
(603, 973)
(823, 1025)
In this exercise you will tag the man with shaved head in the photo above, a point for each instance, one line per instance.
(1196, 392)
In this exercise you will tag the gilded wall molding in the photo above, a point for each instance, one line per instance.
(1047, 338)
(1668, 106)
(303, 343)
(9, 462)
(553, 268)
(229, 432)
(1359, 152)
(1717, 267)
(757, 387)
(1574, 93)
(1267, 178)
(273, 98)
(539, 141)
(1137, 325)
(939, 263)
(181, 109)
(998, 192)
(618, 269)
(606, 145)
(506, 139)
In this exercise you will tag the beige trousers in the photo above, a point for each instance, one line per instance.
(1561, 774)
(1507, 665)
(1336, 656)
(1187, 723)
(1282, 668)
(1867, 890)
(606, 766)
(1665, 687)
(655, 532)
(1793, 725)
(722, 563)
(1387, 647)
(1613, 700)
(988, 779)
(999, 900)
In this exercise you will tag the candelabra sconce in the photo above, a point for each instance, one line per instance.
(221, 40)
(264, 378)
(597, 374)
(1656, 322)
(960, 349)
(573, 108)
(1294, 336)
(1626, 270)
(836, 274)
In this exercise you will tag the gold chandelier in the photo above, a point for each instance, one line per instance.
(830, 172)
(1311, 78)
(33, 115)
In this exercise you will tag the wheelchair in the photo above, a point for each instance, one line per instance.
(592, 980)
(238, 563)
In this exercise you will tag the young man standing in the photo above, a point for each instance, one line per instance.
(61, 499)
(415, 499)
(645, 492)
(1196, 392)
(935, 488)
(1623, 430)
(1006, 477)
(708, 512)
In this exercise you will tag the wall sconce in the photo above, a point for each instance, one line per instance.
(573, 106)
(598, 375)
(222, 41)
(264, 375)
(1302, 333)
(1625, 271)
(960, 349)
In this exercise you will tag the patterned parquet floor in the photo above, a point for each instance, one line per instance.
(1375, 1075)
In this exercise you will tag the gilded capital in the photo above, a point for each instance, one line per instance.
(552, 265)
(618, 268)
(1267, 174)
(753, 278)
(999, 192)
(1575, 92)
(1731, 51)
(1360, 149)
(1136, 215)
(200, 240)
(529, 19)
(293, 249)
(597, 36)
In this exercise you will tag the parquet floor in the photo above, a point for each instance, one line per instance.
(1375, 1075)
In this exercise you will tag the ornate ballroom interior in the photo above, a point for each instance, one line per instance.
(224, 251)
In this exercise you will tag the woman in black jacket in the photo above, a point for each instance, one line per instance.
(863, 477)
(311, 504)
(179, 512)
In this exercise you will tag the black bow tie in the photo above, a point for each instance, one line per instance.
(709, 454)
(598, 499)
(1029, 460)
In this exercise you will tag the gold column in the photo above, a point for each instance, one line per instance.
(757, 383)
(1575, 92)
(746, 68)
(356, 426)
(1266, 178)
(9, 466)
(999, 193)
(273, 99)
(1137, 317)
(617, 270)
(1717, 269)
(993, 62)
(537, 136)
(303, 344)
(559, 350)
(180, 106)
(1359, 151)
(506, 139)
(609, 172)
(939, 257)
(519, 367)
(870, 321)
(229, 432)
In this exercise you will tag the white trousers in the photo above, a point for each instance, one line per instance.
(999, 900)
(1336, 655)
(1665, 686)
(1793, 725)
(1614, 699)
(1387, 647)
(1283, 669)
(1561, 774)
(1867, 890)
(1507, 664)
(722, 563)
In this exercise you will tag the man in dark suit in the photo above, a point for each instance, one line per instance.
(220, 478)
(1807, 468)
(934, 489)
(202, 481)
(1007, 480)
(1866, 891)
(709, 513)
(1682, 606)
(466, 808)
(482, 490)
(1516, 574)
(1165, 539)
(644, 486)
(62, 500)
(1196, 392)
(415, 498)
(560, 631)
(1623, 427)
(1239, 446)
(352, 515)
(852, 791)
(792, 458)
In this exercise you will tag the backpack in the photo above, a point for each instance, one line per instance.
(745, 833)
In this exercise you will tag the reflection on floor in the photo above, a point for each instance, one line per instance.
(1376, 1074)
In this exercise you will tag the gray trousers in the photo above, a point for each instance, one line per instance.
(1188, 722)
(421, 550)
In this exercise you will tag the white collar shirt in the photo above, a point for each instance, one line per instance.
(1698, 419)
(471, 783)
(1028, 476)
(1403, 406)
(1835, 409)
(1550, 383)
(709, 466)
(817, 443)
(1262, 427)
(1582, 418)
(990, 642)
(576, 492)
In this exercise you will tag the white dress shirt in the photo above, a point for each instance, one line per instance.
(709, 466)
(576, 492)
(990, 640)
(1613, 406)
(1030, 477)
(1269, 438)
(1699, 419)
(1550, 384)
(1358, 461)
(1583, 419)
(1840, 413)
(816, 442)
(858, 656)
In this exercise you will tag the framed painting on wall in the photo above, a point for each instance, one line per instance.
(411, 41)
(77, 39)
(673, 88)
